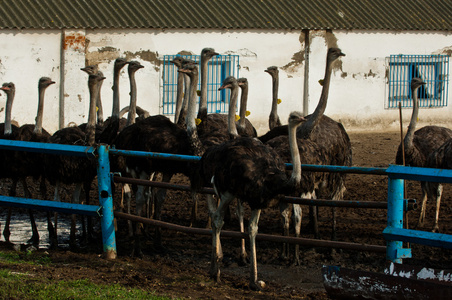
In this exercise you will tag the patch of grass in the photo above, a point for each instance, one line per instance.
(23, 286)
(28, 257)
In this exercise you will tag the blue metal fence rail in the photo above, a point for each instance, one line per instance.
(394, 233)
(105, 208)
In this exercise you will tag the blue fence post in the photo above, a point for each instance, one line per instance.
(394, 249)
(106, 201)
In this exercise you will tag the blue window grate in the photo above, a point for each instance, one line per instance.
(218, 68)
(432, 69)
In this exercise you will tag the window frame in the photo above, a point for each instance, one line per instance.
(432, 69)
(218, 68)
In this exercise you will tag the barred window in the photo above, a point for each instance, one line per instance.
(432, 69)
(218, 68)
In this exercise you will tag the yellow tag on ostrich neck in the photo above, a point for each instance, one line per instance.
(198, 121)
(279, 101)
(247, 113)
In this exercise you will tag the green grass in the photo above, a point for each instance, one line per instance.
(15, 285)
(25, 286)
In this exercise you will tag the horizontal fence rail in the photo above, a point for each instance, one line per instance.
(396, 204)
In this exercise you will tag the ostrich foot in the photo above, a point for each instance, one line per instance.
(436, 229)
(214, 273)
(243, 259)
(257, 286)
(34, 240)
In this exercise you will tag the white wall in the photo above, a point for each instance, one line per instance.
(357, 91)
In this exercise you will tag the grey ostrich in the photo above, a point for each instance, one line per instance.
(273, 120)
(68, 169)
(31, 164)
(328, 134)
(418, 145)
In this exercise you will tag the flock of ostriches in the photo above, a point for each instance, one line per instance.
(234, 160)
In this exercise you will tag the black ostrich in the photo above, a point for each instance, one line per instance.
(153, 134)
(441, 158)
(418, 145)
(32, 164)
(69, 169)
(246, 169)
(9, 131)
(273, 120)
(328, 134)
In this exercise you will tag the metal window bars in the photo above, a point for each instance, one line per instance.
(218, 68)
(433, 69)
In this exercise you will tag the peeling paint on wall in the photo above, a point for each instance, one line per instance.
(146, 55)
(445, 51)
(74, 41)
(297, 60)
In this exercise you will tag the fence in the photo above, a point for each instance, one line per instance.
(394, 233)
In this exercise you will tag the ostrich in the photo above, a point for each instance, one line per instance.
(154, 134)
(31, 164)
(8, 131)
(183, 85)
(329, 134)
(441, 158)
(273, 120)
(68, 169)
(246, 169)
(418, 145)
(92, 70)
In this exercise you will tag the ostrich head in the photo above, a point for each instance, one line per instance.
(120, 63)
(334, 53)
(90, 70)
(208, 53)
(177, 61)
(45, 82)
(273, 71)
(228, 82)
(134, 66)
(242, 82)
(416, 82)
(9, 88)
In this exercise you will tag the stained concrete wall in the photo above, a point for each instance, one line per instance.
(357, 91)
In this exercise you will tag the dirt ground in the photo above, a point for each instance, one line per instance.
(182, 270)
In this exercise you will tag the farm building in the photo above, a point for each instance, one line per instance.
(386, 44)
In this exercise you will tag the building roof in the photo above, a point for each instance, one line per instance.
(228, 14)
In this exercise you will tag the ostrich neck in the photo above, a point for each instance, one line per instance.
(38, 124)
(408, 140)
(100, 111)
(232, 128)
(295, 154)
(243, 104)
(116, 104)
(312, 122)
(183, 110)
(179, 95)
(202, 113)
(90, 126)
(195, 142)
(133, 100)
(9, 106)
(275, 87)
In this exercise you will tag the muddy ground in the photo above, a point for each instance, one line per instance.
(182, 270)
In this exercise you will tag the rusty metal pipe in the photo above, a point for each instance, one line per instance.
(263, 237)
